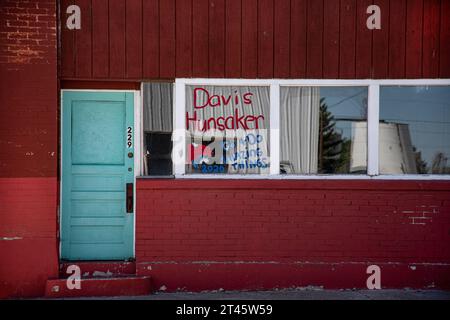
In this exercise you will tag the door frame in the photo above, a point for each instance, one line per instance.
(138, 140)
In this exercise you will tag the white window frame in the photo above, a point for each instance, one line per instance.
(373, 86)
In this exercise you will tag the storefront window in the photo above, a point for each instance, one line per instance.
(157, 123)
(414, 130)
(227, 129)
(323, 130)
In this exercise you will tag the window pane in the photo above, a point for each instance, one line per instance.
(157, 123)
(227, 129)
(414, 130)
(323, 130)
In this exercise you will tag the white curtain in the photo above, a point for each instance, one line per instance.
(260, 105)
(299, 129)
(158, 107)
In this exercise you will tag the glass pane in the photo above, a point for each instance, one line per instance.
(414, 130)
(227, 129)
(157, 125)
(323, 130)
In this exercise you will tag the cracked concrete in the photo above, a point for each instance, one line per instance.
(295, 294)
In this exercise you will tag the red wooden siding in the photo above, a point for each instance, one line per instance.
(164, 39)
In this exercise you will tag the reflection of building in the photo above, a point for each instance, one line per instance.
(395, 148)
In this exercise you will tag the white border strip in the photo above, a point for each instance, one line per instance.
(313, 82)
(274, 139)
(310, 177)
(179, 131)
(373, 129)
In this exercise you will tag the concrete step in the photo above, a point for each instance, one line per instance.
(99, 269)
(99, 287)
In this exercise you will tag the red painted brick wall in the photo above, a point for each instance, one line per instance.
(28, 229)
(183, 225)
(28, 88)
(28, 146)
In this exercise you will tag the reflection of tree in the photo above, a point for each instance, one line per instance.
(334, 150)
(439, 164)
(421, 165)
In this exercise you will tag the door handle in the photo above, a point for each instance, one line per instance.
(129, 198)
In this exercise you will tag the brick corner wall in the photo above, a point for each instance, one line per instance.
(28, 146)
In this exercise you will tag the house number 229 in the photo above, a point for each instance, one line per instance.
(129, 137)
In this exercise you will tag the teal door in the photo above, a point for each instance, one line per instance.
(97, 175)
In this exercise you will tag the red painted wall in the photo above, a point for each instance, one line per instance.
(231, 234)
(164, 39)
(28, 146)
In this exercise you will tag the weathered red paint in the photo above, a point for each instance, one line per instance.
(257, 39)
(28, 235)
(28, 89)
(294, 232)
(99, 287)
(28, 147)
(258, 275)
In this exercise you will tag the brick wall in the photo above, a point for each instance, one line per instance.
(28, 146)
(267, 223)
(28, 32)
(28, 228)
(28, 88)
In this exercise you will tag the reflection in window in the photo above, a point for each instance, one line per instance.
(227, 129)
(157, 128)
(414, 130)
(323, 130)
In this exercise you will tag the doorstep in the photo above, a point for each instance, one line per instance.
(99, 279)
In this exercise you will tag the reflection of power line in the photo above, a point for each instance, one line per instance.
(432, 147)
(444, 102)
(431, 132)
(405, 121)
(347, 98)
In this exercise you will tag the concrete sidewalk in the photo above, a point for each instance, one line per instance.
(297, 294)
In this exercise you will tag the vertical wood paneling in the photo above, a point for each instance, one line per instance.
(397, 37)
(282, 38)
(150, 39)
(347, 45)
(249, 38)
(167, 38)
(444, 55)
(363, 50)
(67, 44)
(200, 50)
(331, 33)
(314, 50)
(414, 27)
(134, 38)
(217, 38)
(233, 39)
(298, 38)
(117, 52)
(431, 30)
(100, 39)
(183, 38)
(380, 46)
(265, 38)
(83, 42)
(164, 39)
